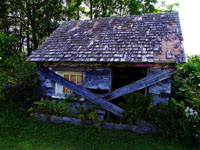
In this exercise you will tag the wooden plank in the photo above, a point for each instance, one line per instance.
(157, 99)
(82, 92)
(147, 65)
(96, 65)
(97, 79)
(139, 84)
(71, 69)
(162, 87)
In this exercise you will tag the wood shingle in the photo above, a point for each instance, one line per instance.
(153, 38)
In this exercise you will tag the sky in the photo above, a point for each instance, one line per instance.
(189, 13)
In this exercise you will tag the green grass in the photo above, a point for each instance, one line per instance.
(20, 132)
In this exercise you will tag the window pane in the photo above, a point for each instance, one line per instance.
(73, 78)
(66, 76)
(79, 79)
(66, 90)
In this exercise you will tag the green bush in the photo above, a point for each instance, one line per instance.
(89, 113)
(61, 108)
(178, 121)
(18, 79)
(180, 118)
(186, 83)
(135, 107)
(52, 107)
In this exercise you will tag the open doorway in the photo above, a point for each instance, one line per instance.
(123, 76)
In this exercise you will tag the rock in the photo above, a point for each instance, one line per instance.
(144, 127)
(34, 115)
(42, 117)
(143, 123)
(141, 130)
(56, 119)
(66, 119)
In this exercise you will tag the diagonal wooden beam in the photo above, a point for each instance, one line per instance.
(103, 100)
(139, 84)
(82, 91)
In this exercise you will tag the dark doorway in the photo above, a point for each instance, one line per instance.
(124, 76)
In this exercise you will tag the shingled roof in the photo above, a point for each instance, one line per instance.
(140, 38)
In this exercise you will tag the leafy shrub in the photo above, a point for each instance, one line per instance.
(173, 120)
(18, 78)
(186, 83)
(52, 107)
(135, 107)
(73, 97)
(89, 113)
(180, 118)
(62, 108)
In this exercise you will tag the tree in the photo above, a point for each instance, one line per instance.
(166, 8)
(15, 74)
(33, 20)
(73, 9)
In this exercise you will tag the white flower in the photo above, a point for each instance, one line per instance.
(191, 113)
(196, 113)
(187, 115)
(187, 108)
(191, 110)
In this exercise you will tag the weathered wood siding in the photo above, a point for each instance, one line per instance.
(97, 79)
(47, 86)
(82, 92)
(162, 89)
(140, 84)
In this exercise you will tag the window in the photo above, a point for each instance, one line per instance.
(75, 77)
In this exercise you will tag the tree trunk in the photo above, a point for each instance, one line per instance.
(91, 11)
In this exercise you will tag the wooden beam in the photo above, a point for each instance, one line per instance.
(82, 92)
(139, 84)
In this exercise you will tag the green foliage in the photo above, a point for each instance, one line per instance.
(18, 78)
(186, 83)
(135, 107)
(73, 97)
(7, 42)
(140, 7)
(180, 118)
(89, 113)
(107, 8)
(33, 20)
(52, 107)
(166, 8)
(173, 121)
(62, 108)
(19, 131)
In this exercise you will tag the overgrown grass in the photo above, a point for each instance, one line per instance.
(20, 132)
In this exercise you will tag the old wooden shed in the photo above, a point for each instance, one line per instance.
(105, 58)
